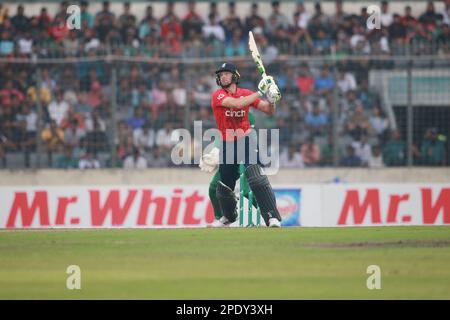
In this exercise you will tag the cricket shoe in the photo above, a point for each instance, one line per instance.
(221, 223)
(274, 223)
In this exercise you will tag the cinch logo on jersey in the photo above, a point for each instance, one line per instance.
(231, 113)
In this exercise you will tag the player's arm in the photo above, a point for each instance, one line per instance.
(241, 102)
(266, 107)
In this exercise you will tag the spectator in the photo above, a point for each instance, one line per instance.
(408, 17)
(316, 121)
(53, 140)
(291, 158)
(6, 43)
(156, 159)
(96, 139)
(362, 150)
(73, 133)
(86, 18)
(25, 43)
(444, 39)
(319, 33)
(27, 120)
(340, 18)
(62, 13)
(67, 160)
(358, 123)
(378, 122)
(20, 22)
(236, 48)
(3, 141)
(320, 16)
(9, 92)
(105, 20)
(231, 21)
(298, 36)
(386, 17)
(254, 20)
(170, 13)
(213, 30)
(430, 16)
(310, 152)
(149, 25)
(95, 120)
(213, 9)
(137, 120)
(192, 22)
(148, 15)
(144, 138)
(58, 29)
(359, 42)
(446, 13)
(346, 81)
(432, 150)
(127, 20)
(351, 159)
(25, 141)
(30, 117)
(379, 44)
(276, 16)
(324, 83)
(376, 158)
(58, 109)
(135, 161)
(91, 42)
(82, 107)
(397, 31)
(277, 25)
(71, 44)
(305, 81)
(163, 137)
(394, 152)
(303, 15)
(88, 161)
(6, 139)
(170, 26)
(365, 95)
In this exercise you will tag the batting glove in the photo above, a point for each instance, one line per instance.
(264, 85)
(273, 94)
(209, 161)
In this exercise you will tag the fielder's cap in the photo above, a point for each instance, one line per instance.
(227, 67)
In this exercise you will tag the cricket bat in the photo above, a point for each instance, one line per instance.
(255, 54)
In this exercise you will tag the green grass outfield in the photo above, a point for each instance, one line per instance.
(288, 263)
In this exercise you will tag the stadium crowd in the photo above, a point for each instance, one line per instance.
(153, 99)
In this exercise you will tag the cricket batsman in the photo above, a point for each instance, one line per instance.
(231, 106)
(209, 163)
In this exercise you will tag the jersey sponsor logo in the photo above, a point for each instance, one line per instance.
(233, 113)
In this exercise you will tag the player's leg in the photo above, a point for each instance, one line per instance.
(225, 191)
(246, 190)
(213, 197)
(229, 173)
(263, 192)
(260, 185)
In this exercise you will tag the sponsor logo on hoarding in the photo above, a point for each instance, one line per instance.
(361, 205)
